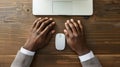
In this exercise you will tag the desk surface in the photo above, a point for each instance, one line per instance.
(102, 34)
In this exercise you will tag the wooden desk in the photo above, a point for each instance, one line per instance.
(102, 34)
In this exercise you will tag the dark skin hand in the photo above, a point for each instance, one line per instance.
(75, 36)
(42, 31)
(40, 34)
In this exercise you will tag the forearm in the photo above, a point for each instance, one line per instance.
(23, 58)
(89, 60)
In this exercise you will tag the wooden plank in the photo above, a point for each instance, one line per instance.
(107, 10)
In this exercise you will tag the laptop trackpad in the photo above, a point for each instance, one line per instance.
(62, 7)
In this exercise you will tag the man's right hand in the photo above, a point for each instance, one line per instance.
(75, 36)
(40, 35)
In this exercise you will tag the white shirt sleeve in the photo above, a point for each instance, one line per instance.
(86, 57)
(27, 52)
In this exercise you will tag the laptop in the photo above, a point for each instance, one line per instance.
(62, 7)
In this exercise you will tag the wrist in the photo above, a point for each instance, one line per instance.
(28, 46)
(27, 52)
(83, 51)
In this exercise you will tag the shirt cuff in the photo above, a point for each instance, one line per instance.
(27, 52)
(87, 56)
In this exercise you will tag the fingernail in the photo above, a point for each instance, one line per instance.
(67, 21)
(46, 17)
(64, 30)
(78, 21)
(53, 22)
(51, 19)
(71, 19)
(53, 31)
(40, 18)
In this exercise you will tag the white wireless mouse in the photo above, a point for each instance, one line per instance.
(60, 41)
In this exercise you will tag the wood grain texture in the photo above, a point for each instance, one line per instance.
(102, 32)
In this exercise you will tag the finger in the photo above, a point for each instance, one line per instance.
(68, 29)
(80, 26)
(48, 28)
(49, 36)
(73, 27)
(76, 26)
(45, 24)
(34, 24)
(66, 33)
(53, 31)
(40, 22)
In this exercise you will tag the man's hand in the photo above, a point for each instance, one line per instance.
(75, 36)
(40, 35)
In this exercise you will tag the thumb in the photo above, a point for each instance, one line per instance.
(66, 33)
(49, 36)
